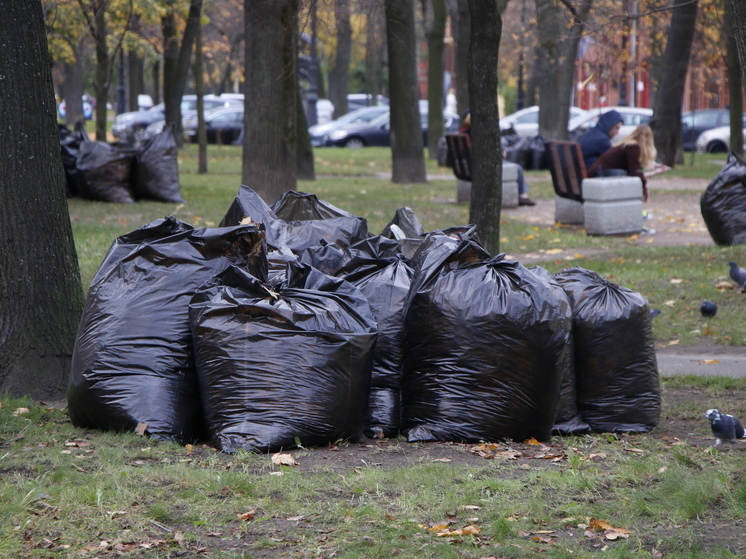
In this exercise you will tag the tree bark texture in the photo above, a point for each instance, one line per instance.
(407, 146)
(666, 120)
(738, 25)
(560, 26)
(486, 153)
(374, 51)
(306, 168)
(735, 85)
(176, 61)
(462, 32)
(73, 92)
(270, 128)
(339, 76)
(199, 87)
(435, 24)
(103, 70)
(40, 290)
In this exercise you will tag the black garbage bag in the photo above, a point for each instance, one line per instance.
(297, 233)
(70, 151)
(615, 365)
(509, 138)
(404, 224)
(568, 420)
(133, 358)
(284, 366)
(156, 169)
(537, 160)
(483, 347)
(520, 153)
(105, 173)
(377, 267)
(723, 204)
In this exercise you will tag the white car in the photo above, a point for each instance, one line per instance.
(632, 117)
(716, 140)
(526, 121)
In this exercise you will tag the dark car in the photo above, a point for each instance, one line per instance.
(223, 126)
(320, 132)
(378, 133)
(695, 122)
(130, 127)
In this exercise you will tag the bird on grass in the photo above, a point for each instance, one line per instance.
(725, 427)
(738, 275)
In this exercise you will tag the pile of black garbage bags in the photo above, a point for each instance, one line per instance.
(292, 325)
(723, 203)
(120, 173)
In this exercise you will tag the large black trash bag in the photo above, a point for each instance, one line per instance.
(70, 150)
(283, 366)
(537, 159)
(156, 169)
(723, 204)
(509, 138)
(377, 267)
(404, 223)
(303, 206)
(105, 173)
(615, 365)
(296, 234)
(133, 359)
(483, 347)
(568, 420)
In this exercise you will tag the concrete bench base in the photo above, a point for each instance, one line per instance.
(569, 212)
(510, 187)
(612, 205)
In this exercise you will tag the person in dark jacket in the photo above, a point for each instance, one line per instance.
(598, 139)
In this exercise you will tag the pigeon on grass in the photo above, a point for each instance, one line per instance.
(725, 427)
(738, 275)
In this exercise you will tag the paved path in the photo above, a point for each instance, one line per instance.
(710, 362)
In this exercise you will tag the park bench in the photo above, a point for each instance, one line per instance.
(459, 155)
(604, 205)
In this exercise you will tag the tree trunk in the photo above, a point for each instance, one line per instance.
(339, 77)
(666, 120)
(306, 169)
(486, 153)
(407, 147)
(435, 24)
(738, 24)
(270, 128)
(560, 26)
(462, 30)
(135, 69)
(101, 85)
(735, 86)
(374, 52)
(156, 82)
(73, 93)
(39, 277)
(176, 61)
(199, 84)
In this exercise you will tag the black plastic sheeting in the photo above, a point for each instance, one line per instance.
(378, 269)
(70, 151)
(615, 365)
(483, 347)
(723, 204)
(307, 220)
(283, 366)
(529, 153)
(133, 358)
(568, 420)
(105, 173)
(156, 169)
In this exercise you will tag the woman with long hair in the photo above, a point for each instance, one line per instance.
(634, 156)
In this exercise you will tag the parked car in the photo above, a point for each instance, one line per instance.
(130, 127)
(632, 117)
(359, 100)
(717, 140)
(320, 132)
(378, 133)
(526, 121)
(696, 122)
(223, 125)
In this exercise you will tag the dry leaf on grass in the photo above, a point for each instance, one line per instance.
(141, 429)
(283, 460)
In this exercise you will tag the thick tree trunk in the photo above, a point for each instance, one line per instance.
(135, 79)
(435, 24)
(462, 32)
(486, 153)
(666, 120)
(199, 85)
(270, 128)
(738, 24)
(560, 27)
(176, 62)
(407, 146)
(735, 86)
(39, 279)
(103, 72)
(339, 77)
